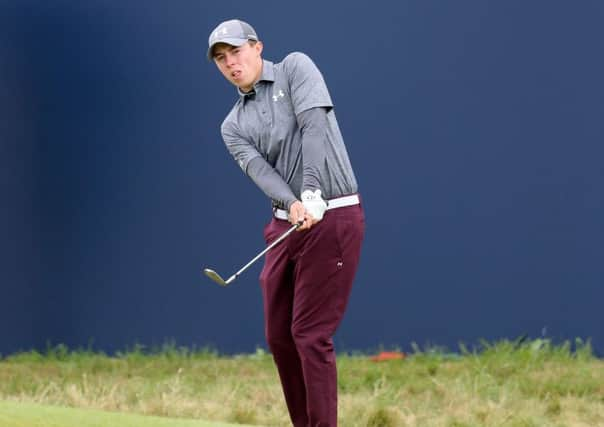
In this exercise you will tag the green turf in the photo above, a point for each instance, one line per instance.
(18, 414)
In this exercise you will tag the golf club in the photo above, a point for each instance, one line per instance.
(218, 278)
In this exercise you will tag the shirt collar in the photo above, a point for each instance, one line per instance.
(267, 75)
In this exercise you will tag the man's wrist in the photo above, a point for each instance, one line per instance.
(289, 203)
(310, 194)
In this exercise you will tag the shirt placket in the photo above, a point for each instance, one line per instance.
(266, 114)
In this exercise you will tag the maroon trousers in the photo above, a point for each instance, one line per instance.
(306, 282)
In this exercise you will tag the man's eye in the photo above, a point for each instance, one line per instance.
(235, 51)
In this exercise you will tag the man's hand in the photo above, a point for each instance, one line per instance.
(309, 211)
(297, 214)
(314, 203)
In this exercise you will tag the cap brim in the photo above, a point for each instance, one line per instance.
(232, 41)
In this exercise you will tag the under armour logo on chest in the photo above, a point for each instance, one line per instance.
(278, 95)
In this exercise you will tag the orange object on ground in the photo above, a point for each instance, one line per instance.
(388, 355)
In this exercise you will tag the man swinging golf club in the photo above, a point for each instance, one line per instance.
(282, 132)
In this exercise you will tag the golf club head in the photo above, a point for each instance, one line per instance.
(215, 276)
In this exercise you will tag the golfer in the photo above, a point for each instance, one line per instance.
(282, 132)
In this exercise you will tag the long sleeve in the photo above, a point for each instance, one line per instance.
(270, 182)
(312, 125)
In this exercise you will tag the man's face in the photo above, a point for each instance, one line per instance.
(241, 65)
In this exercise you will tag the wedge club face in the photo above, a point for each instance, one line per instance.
(215, 276)
(218, 278)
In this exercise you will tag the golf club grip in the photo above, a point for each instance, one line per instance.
(268, 248)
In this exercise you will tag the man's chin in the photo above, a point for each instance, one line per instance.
(244, 88)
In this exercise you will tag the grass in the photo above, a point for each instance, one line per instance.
(14, 414)
(506, 383)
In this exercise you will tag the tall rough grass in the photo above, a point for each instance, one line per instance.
(506, 383)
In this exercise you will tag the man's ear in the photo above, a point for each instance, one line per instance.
(259, 46)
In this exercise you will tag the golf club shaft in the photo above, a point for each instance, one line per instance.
(268, 248)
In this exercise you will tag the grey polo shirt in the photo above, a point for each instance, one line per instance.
(263, 124)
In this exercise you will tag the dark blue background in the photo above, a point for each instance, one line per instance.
(475, 128)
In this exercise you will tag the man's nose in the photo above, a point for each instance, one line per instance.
(230, 60)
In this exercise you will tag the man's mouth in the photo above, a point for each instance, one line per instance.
(236, 74)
